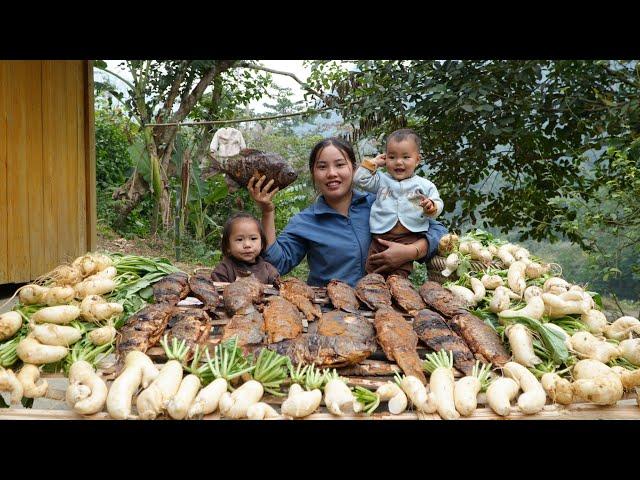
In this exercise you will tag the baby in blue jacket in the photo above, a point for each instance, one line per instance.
(404, 201)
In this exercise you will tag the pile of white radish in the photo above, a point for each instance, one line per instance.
(138, 371)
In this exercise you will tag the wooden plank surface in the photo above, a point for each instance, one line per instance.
(625, 410)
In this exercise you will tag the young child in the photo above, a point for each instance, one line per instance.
(243, 241)
(404, 201)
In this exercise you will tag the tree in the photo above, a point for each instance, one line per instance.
(524, 126)
(167, 92)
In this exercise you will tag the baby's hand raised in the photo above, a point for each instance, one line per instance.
(428, 205)
(380, 160)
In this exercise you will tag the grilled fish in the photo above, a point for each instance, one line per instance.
(241, 167)
(282, 320)
(480, 337)
(434, 332)
(192, 325)
(172, 288)
(301, 295)
(404, 294)
(439, 298)
(324, 350)
(143, 330)
(343, 296)
(240, 295)
(203, 289)
(249, 328)
(373, 291)
(399, 342)
(347, 325)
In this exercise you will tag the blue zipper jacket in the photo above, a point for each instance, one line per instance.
(336, 246)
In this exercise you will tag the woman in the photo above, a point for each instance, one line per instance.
(334, 231)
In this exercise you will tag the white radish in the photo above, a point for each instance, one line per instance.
(109, 273)
(97, 286)
(630, 350)
(442, 384)
(10, 383)
(464, 247)
(521, 343)
(479, 291)
(447, 243)
(301, 404)
(589, 347)
(86, 393)
(630, 378)
(59, 296)
(505, 255)
(532, 291)
(534, 309)
(338, 397)
(558, 389)
(417, 394)
(138, 369)
(595, 320)
(557, 307)
(622, 327)
(466, 296)
(499, 302)
(466, 390)
(241, 399)
(451, 264)
(32, 294)
(500, 393)
(94, 308)
(33, 386)
(262, 411)
(596, 383)
(207, 399)
(392, 393)
(536, 270)
(151, 402)
(52, 334)
(179, 405)
(491, 282)
(515, 277)
(60, 315)
(555, 285)
(29, 350)
(10, 323)
(533, 398)
(102, 335)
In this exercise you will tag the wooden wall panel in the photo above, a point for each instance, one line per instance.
(4, 237)
(18, 250)
(47, 166)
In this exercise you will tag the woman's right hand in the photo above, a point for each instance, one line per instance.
(261, 195)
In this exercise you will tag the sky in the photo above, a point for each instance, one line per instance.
(291, 66)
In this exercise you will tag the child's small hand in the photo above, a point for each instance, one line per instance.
(428, 205)
(380, 160)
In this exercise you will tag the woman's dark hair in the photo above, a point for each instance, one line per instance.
(228, 226)
(340, 144)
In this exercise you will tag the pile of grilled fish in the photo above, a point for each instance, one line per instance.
(292, 324)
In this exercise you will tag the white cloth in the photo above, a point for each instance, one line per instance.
(398, 200)
(227, 142)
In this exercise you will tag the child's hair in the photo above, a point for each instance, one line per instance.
(228, 226)
(402, 134)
